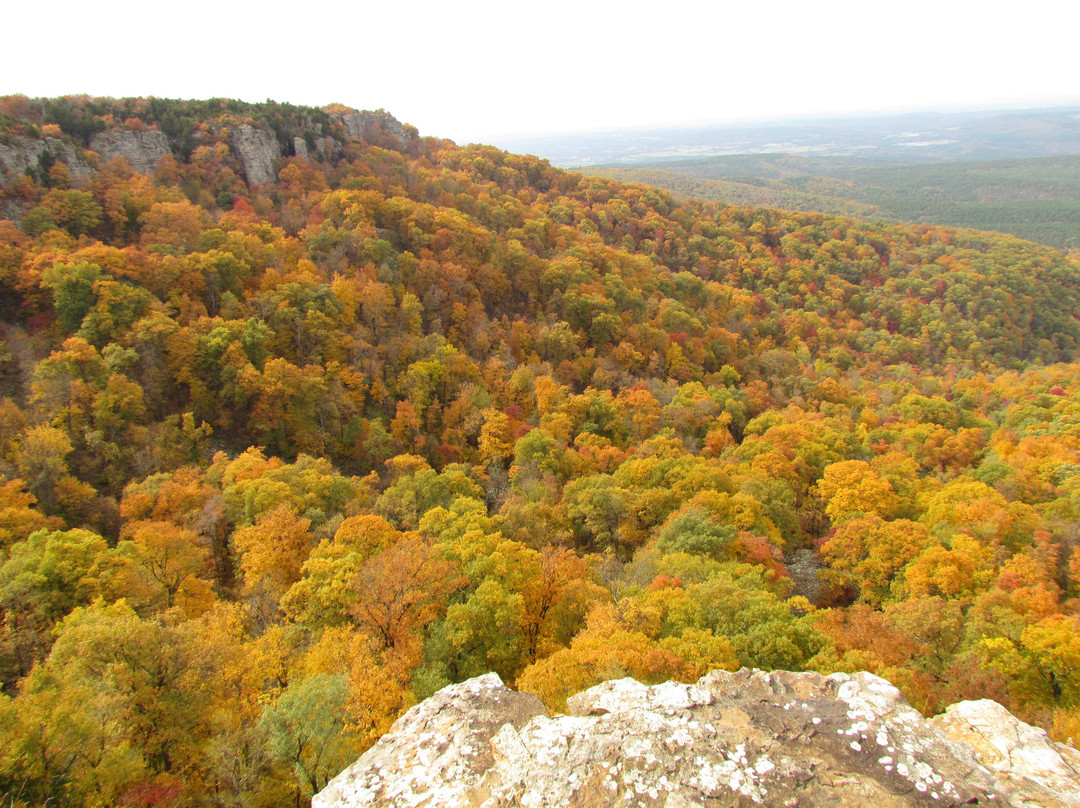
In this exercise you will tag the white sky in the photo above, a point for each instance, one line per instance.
(473, 70)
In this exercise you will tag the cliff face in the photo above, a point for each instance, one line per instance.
(142, 149)
(376, 127)
(255, 148)
(22, 153)
(259, 148)
(747, 738)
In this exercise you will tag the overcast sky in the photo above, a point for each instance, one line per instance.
(475, 70)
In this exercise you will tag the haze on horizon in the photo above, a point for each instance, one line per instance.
(481, 70)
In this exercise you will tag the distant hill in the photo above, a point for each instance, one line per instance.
(1036, 199)
(910, 137)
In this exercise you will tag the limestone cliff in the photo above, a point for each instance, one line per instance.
(254, 147)
(142, 149)
(732, 739)
(21, 153)
(257, 150)
(379, 128)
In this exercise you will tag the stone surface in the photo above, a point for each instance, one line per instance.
(731, 739)
(803, 567)
(437, 753)
(257, 150)
(21, 153)
(379, 128)
(142, 149)
(1028, 764)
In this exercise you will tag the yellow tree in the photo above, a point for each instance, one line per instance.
(496, 443)
(610, 649)
(961, 569)
(171, 559)
(272, 553)
(39, 457)
(869, 552)
(852, 487)
(18, 516)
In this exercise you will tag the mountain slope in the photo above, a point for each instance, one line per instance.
(1036, 199)
(289, 440)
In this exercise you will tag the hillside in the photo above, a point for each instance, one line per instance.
(314, 416)
(1036, 199)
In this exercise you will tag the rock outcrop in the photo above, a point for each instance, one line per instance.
(379, 128)
(142, 149)
(255, 147)
(732, 739)
(1021, 756)
(257, 150)
(21, 153)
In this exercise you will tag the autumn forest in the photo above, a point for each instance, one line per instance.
(281, 456)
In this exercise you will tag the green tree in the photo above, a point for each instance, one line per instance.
(304, 729)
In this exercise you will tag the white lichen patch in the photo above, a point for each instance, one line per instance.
(681, 736)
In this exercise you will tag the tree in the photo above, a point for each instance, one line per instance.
(961, 569)
(415, 493)
(305, 729)
(496, 443)
(172, 559)
(111, 706)
(851, 487)
(18, 517)
(870, 553)
(73, 291)
(77, 212)
(556, 600)
(608, 649)
(401, 589)
(696, 533)
(45, 578)
(596, 506)
(39, 456)
(325, 595)
(272, 553)
(1043, 666)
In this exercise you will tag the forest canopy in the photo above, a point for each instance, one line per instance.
(279, 459)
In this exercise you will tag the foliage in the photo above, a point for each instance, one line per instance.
(277, 462)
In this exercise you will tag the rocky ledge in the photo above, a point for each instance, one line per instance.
(732, 739)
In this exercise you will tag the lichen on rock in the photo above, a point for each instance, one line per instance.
(731, 739)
